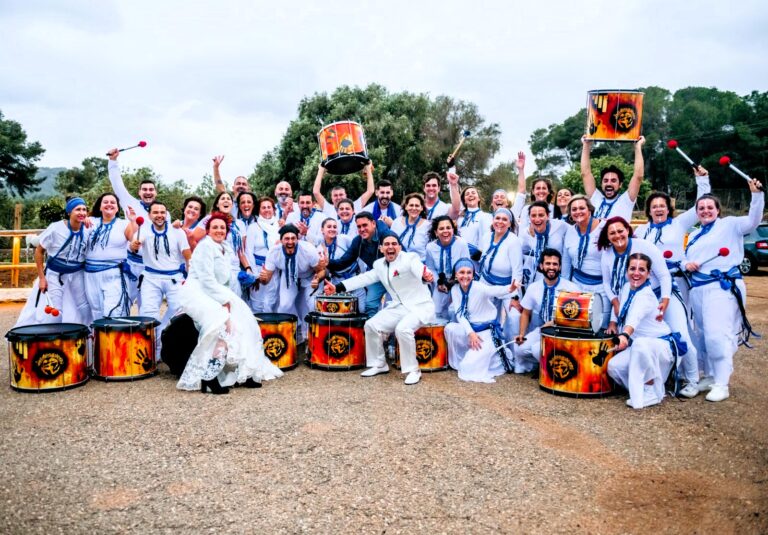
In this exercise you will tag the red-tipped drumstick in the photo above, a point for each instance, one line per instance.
(724, 251)
(139, 221)
(668, 254)
(140, 144)
(672, 144)
(726, 161)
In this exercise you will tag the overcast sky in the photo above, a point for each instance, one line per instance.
(196, 79)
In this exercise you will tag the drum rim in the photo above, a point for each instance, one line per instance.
(623, 91)
(348, 320)
(286, 317)
(143, 322)
(336, 297)
(75, 331)
(573, 334)
(338, 122)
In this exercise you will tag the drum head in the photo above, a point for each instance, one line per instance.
(597, 312)
(273, 317)
(179, 340)
(46, 331)
(126, 323)
(346, 164)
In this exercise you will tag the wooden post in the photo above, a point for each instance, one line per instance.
(16, 250)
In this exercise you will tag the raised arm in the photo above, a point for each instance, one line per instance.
(688, 218)
(520, 166)
(586, 168)
(750, 222)
(317, 187)
(116, 180)
(370, 188)
(217, 181)
(638, 171)
(455, 192)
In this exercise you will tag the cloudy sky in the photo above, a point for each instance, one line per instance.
(195, 79)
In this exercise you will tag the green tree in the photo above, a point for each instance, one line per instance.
(79, 179)
(17, 158)
(407, 135)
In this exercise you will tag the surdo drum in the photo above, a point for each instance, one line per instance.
(124, 348)
(279, 338)
(431, 348)
(614, 115)
(342, 147)
(574, 363)
(342, 304)
(336, 342)
(48, 357)
(578, 310)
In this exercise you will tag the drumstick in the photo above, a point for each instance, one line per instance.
(452, 158)
(724, 251)
(672, 144)
(139, 222)
(141, 144)
(725, 160)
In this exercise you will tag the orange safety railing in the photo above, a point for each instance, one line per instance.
(16, 265)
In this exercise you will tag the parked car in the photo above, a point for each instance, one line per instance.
(755, 250)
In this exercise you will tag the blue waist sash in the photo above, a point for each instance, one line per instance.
(496, 280)
(586, 278)
(259, 260)
(676, 344)
(134, 257)
(62, 267)
(497, 336)
(97, 266)
(148, 269)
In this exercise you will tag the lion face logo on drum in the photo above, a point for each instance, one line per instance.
(332, 307)
(562, 367)
(274, 346)
(337, 345)
(49, 363)
(571, 309)
(625, 117)
(425, 349)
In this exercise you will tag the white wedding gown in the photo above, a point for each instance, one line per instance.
(232, 356)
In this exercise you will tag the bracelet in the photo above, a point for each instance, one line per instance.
(249, 269)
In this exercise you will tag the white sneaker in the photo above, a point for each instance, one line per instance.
(718, 393)
(691, 390)
(705, 383)
(413, 377)
(649, 398)
(376, 370)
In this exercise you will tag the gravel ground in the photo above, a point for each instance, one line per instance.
(326, 452)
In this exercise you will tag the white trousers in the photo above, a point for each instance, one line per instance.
(66, 293)
(104, 290)
(528, 354)
(478, 365)
(645, 360)
(265, 298)
(676, 317)
(296, 299)
(404, 324)
(153, 288)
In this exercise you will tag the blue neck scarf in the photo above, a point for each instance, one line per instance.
(431, 211)
(446, 263)
(464, 306)
(619, 271)
(331, 249)
(100, 236)
(290, 267)
(583, 243)
(345, 226)
(377, 211)
(409, 228)
(704, 230)
(659, 228)
(307, 219)
(628, 303)
(161, 236)
(548, 301)
(237, 239)
(491, 252)
(469, 217)
(605, 207)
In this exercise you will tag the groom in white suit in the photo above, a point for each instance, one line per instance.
(405, 278)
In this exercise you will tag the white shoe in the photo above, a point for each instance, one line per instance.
(649, 398)
(376, 370)
(705, 383)
(413, 377)
(691, 390)
(718, 393)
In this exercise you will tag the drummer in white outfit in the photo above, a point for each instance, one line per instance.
(541, 233)
(412, 227)
(647, 346)
(307, 218)
(718, 293)
(62, 278)
(346, 218)
(299, 269)
(432, 204)
(474, 339)
(541, 191)
(166, 254)
(107, 274)
(405, 278)
(609, 202)
(581, 258)
(382, 207)
(538, 306)
(442, 252)
(260, 238)
(617, 244)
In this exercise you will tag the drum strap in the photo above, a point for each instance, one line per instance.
(727, 282)
(498, 340)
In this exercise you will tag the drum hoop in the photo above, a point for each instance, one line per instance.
(623, 91)
(335, 123)
(72, 331)
(128, 323)
(572, 334)
(355, 320)
(275, 318)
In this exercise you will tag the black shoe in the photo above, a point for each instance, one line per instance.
(250, 383)
(214, 386)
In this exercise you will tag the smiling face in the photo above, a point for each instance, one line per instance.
(540, 191)
(444, 232)
(539, 217)
(550, 267)
(245, 205)
(217, 230)
(240, 185)
(706, 210)
(611, 185)
(465, 275)
(345, 211)
(78, 215)
(431, 189)
(147, 193)
(192, 211)
(338, 194)
(330, 230)
(283, 190)
(659, 210)
(266, 209)
(499, 200)
(157, 213)
(365, 228)
(305, 205)
(471, 198)
(225, 203)
(108, 207)
(390, 248)
(563, 198)
(501, 223)
(384, 195)
(414, 207)
(637, 272)
(579, 211)
(289, 241)
(618, 235)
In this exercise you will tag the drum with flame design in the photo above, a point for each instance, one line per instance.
(336, 343)
(614, 115)
(431, 348)
(342, 304)
(342, 147)
(279, 335)
(124, 348)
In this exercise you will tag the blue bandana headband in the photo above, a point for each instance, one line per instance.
(504, 211)
(73, 203)
(463, 262)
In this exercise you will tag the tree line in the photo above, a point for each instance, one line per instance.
(409, 134)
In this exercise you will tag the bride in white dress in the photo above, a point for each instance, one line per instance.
(229, 347)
